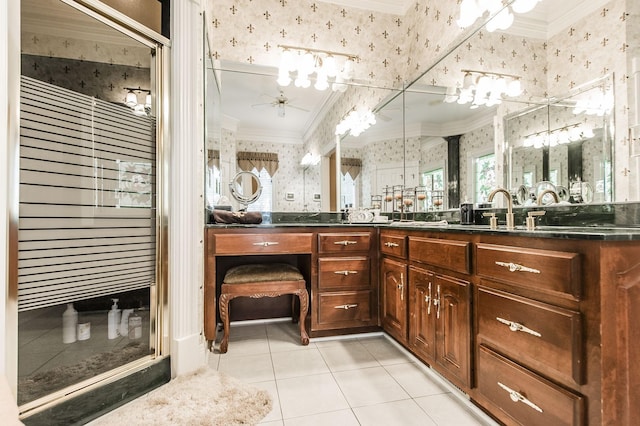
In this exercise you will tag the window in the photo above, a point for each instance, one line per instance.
(349, 192)
(484, 176)
(265, 202)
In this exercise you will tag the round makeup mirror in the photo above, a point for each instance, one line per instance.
(246, 188)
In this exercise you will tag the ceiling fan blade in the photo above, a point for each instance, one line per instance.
(297, 107)
(262, 105)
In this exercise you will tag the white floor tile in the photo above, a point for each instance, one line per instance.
(347, 355)
(385, 352)
(369, 386)
(304, 396)
(446, 410)
(404, 413)
(338, 418)
(298, 363)
(414, 380)
(247, 368)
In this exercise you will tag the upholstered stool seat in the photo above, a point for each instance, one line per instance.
(262, 280)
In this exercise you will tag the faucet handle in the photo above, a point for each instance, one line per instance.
(531, 219)
(493, 220)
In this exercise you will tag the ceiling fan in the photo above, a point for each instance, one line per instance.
(280, 102)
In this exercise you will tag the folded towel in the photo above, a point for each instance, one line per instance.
(246, 218)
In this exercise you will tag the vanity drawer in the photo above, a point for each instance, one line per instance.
(540, 336)
(395, 245)
(262, 243)
(448, 254)
(344, 309)
(546, 271)
(343, 273)
(343, 242)
(524, 397)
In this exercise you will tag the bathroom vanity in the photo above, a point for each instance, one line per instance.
(535, 326)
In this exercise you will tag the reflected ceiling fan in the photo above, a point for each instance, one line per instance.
(280, 102)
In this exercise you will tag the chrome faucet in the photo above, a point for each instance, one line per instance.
(548, 191)
(510, 220)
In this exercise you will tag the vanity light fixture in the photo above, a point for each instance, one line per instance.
(484, 88)
(356, 122)
(310, 159)
(131, 100)
(330, 68)
(560, 136)
(471, 10)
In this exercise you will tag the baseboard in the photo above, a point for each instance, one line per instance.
(187, 354)
(92, 404)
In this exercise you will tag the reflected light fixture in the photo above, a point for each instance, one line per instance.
(484, 88)
(471, 10)
(131, 100)
(333, 69)
(598, 103)
(560, 136)
(310, 159)
(356, 122)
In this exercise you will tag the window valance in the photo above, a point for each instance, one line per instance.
(267, 160)
(351, 166)
(213, 158)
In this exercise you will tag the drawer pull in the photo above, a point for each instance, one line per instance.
(514, 326)
(345, 243)
(514, 267)
(390, 244)
(346, 307)
(266, 243)
(518, 397)
(345, 273)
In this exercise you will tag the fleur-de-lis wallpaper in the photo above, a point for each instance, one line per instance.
(395, 48)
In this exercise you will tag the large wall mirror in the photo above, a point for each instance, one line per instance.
(426, 137)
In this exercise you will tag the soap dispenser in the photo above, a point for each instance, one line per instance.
(113, 320)
(124, 323)
(69, 324)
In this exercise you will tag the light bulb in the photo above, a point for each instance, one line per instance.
(469, 12)
(523, 6)
(131, 100)
(321, 80)
(147, 101)
(514, 88)
(330, 67)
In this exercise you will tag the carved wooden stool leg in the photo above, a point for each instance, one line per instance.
(224, 317)
(304, 306)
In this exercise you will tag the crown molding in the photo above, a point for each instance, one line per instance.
(259, 135)
(393, 7)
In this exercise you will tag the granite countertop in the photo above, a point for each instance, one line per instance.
(606, 222)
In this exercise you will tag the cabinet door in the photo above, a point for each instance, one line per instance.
(422, 314)
(453, 330)
(394, 298)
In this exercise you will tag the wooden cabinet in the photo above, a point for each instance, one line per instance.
(345, 296)
(440, 307)
(393, 278)
(531, 355)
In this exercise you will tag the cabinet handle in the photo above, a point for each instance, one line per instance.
(346, 307)
(514, 267)
(345, 273)
(514, 326)
(266, 243)
(518, 397)
(401, 286)
(427, 299)
(390, 244)
(436, 302)
(345, 243)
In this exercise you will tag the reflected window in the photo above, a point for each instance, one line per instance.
(349, 191)
(433, 181)
(484, 176)
(265, 202)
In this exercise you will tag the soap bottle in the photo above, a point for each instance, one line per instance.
(69, 324)
(113, 320)
(135, 326)
(124, 323)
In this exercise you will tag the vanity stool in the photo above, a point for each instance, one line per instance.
(263, 280)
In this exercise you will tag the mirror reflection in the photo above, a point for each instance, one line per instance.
(443, 139)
